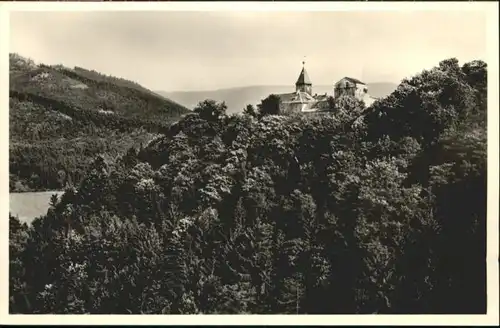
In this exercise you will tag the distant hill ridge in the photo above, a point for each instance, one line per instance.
(237, 98)
(88, 89)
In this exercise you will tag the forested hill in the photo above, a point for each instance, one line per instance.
(61, 117)
(377, 210)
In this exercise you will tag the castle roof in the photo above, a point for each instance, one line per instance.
(352, 80)
(303, 78)
(296, 97)
(307, 102)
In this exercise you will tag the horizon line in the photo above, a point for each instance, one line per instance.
(261, 86)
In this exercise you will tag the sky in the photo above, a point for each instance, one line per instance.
(184, 51)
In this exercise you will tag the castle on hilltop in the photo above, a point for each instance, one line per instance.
(303, 100)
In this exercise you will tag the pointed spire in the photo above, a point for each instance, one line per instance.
(303, 78)
(303, 83)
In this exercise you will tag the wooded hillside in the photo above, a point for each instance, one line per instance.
(380, 210)
(60, 118)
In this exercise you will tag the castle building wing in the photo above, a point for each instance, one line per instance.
(303, 100)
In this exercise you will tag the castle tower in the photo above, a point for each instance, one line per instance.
(303, 83)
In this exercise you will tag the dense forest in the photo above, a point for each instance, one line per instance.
(356, 210)
(61, 118)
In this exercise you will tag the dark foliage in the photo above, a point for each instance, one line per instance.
(377, 210)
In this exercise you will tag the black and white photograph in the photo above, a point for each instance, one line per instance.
(274, 159)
